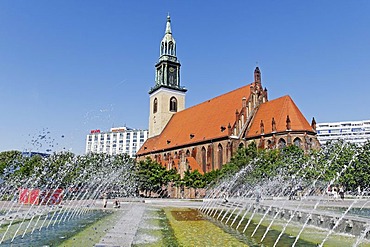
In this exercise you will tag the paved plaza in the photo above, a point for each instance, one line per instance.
(130, 215)
(131, 212)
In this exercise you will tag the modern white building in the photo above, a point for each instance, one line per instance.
(352, 131)
(120, 140)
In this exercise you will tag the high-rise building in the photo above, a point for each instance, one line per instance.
(352, 131)
(120, 140)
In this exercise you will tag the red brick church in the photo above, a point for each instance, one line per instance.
(205, 136)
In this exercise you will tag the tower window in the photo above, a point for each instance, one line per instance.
(173, 104)
(170, 48)
(155, 105)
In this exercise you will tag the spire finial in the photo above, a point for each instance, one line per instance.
(313, 124)
(168, 25)
(257, 74)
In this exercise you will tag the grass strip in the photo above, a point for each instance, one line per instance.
(191, 229)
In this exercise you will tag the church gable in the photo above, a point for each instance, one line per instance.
(272, 117)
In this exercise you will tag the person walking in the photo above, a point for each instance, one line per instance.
(335, 192)
(116, 204)
(299, 192)
(341, 192)
(359, 191)
(105, 200)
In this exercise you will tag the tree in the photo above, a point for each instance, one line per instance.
(194, 179)
(151, 176)
(10, 161)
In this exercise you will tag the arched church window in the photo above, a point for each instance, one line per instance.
(220, 155)
(210, 158)
(173, 104)
(282, 143)
(269, 144)
(204, 159)
(297, 142)
(155, 105)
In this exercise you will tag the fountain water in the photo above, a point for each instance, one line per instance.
(266, 210)
(273, 202)
(59, 195)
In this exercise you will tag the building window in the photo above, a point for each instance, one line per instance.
(297, 142)
(173, 104)
(210, 160)
(282, 143)
(204, 160)
(170, 48)
(269, 144)
(220, 156)
(155, 105)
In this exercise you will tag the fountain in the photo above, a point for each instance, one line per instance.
(59, 197)
(60, 203)
(294, 210)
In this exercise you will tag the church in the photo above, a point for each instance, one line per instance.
(204, 137)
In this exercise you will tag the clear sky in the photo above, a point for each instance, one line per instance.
(67, 67)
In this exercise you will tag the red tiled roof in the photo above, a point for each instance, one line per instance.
(194, 165)
(278, 109)
(199, 123)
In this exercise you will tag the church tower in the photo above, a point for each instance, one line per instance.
(167, 96)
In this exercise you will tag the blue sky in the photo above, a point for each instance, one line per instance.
(67, 67)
